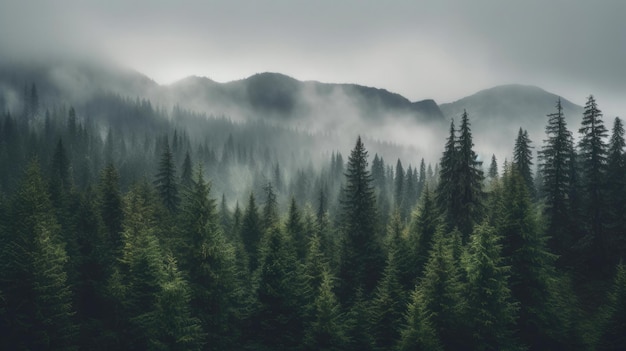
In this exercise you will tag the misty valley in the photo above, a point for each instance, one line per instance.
(276, 214)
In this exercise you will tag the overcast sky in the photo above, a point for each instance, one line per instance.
(442, 49)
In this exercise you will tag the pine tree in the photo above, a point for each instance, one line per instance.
(251, 232)
(110, 206)
(422, 232)
(522, 159)
(419, 332)
(613, 315)
(616, 191)
(555, 158)
(186, 177)
(277, 319)
(210, 263)
(270, 209)
(532, 275)
(593, 153)
(442, 293)
(388, 304)
(362, 256)
(166, 182)
(295, 229)
(325, 332)
(491, 309)
(493, 168)
(38, 310)
(399, 184)
(448, 186)
(470, 176)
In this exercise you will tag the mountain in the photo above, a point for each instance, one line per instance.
(497, 114)
(283, 98)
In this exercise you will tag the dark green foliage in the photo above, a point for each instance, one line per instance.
(270, 208)
(166, 182)
(616, 192)
(37, 301)
(251, 232)
(419, 332)
(493, 168)
(447, 187)
(441, 292)
(210, 262)
(555, 162)
(296, 231)
(276, 320)
(362, 256)
(522, 159)
(593, 155)
(490, 307)
(325, 331)
(110, 206)
(613, 315)
(186, 176)
(422, 231)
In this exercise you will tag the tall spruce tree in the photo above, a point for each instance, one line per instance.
(399, 185)
(470, 177)
(362, 256)
(491, 309)
(166, 182)
(448, 185)
(555, 161)
(38, 312)
(593, 155)
(522, 159)
(616, 191)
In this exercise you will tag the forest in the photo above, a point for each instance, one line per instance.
(125, 226)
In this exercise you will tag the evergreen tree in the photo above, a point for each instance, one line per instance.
(613, 315)
(210, 263)
(325, 332)
(387, 305)
(491, 309)
(357, 324)
(470, 176)
(593, 153)
(421, 182)
(110, 206)
(422, 232)
(616, 191)
(399, 184)
(442, 293)
(295, 230)
(38, 311)
(555, 158)
(186, 177)
(362, 256)
(522, 159)
(448, 186)
(419, 332)
(165, 182)
(251, 232)
(270, 209)
(493, 168)
(277, 318)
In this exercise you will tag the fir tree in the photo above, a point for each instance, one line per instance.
(593, 153)
(470, 176)
(186, 177)
(613, 315)
(491, 309)
(110, 206)
(399, 185)
(165, 182)
(419, 332)
(362, 256)
(448, 186)
(555, 158)
(38, 311)
(422, 232)
(522, 159)
(493, 168)
(325, 332)
(616, 190)
(251, 232)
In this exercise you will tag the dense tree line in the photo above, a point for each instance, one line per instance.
(114, 237)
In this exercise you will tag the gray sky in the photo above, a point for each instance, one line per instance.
(441, 49)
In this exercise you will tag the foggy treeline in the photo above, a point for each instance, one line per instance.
(127, 226)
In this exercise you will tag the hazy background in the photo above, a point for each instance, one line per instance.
(421, 49)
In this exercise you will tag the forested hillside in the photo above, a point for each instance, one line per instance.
(129, 226)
